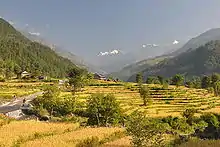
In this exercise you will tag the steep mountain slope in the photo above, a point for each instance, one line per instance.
(200, 61)
(64, 53)
(17, 50)
(202, 39)
(132, 69)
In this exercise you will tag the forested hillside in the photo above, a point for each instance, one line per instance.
(192, 44)
(202, 61)
(17, 53)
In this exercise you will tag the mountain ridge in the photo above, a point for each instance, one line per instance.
(192, 44)
(18, 51)
(64, 53)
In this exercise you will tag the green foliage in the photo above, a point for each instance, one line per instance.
(145, 131)
(206, 82)
(17, 54)
(189, 114)
(160, 79)
(177, 80)
(215, 77)
(153, 80)
(196, 82)
(145, 94)
(78, 78)
(216, 88)
(211, 90)
(103, 109)
(212, 129)
(211, 119)
(178, 125)
(55, 105)
(201, 143)
(139, 78)
(165, 85)
(106, 84)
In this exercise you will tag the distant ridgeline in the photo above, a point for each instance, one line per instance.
(17, 53)
(200, 55)
(204, 60)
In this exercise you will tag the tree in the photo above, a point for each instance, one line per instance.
(160, 79)
(9, 69)
(144, 93)
(206, 82)
(189, 114)
(215, 78)
(177, 80)
(153, 80)
(53, 103)
(50, 98)
(145, 131)
(78, 78)
(196, 82)
(2, 68)
(17, 71)
(216, 88)
(103, 109)
(139, 78)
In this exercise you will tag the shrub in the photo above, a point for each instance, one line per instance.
(55, 105)
(145, 131)
(165, 85)
(167, 102)
(89, 142)
(2, 79)
(103, 109)
(201, 143)
(189, 114)
(144, 93)
(177, 80)
(74, 119)
(210, 90)
(212, 129)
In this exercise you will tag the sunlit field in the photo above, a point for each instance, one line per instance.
(162, 102)
(10, 89)
(72, 138)
(36, 133)
(17, 132)
(122, 142)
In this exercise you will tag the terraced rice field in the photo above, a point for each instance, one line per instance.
(32, 133)
(9, 89)
(18, 132)
(164, 102)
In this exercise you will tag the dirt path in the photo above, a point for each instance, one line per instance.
(15, 105)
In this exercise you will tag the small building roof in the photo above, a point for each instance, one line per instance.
(24, 72)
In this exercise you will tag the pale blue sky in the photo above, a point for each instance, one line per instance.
(87, 27)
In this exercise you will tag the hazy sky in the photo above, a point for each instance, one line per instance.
(87, 27)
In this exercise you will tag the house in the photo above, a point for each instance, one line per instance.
(61, 82)
(42, 77)
(24, 74)
(99, 76)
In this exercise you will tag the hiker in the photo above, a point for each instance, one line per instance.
(14, 97)
(24, 100)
